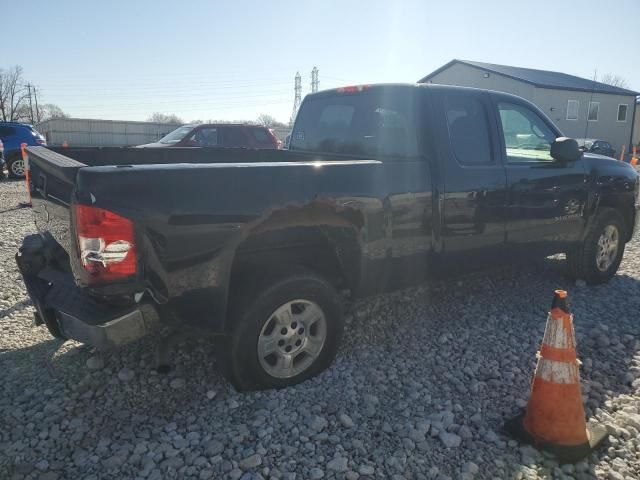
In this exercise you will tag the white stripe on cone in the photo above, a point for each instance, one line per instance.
(557, 372)
(555, 334)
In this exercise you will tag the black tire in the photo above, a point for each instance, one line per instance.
(582, 259)
(253, 306)
(10, 163)
(52, 325)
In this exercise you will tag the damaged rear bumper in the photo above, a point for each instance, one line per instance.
(70, 313)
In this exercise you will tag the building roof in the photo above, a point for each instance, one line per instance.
(539, 78)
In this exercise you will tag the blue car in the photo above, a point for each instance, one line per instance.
(12, 135)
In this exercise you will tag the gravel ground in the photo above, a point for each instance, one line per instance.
(420, 389)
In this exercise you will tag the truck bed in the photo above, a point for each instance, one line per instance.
(174, 195)
(101, 156)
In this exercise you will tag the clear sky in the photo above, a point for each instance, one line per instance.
(234, 60)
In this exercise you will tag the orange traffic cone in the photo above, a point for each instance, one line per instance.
(634, 157)
(554, 419)
(65, 144)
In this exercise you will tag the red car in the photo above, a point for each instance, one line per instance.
(219, 135)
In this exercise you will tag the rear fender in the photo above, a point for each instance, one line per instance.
(318, 236)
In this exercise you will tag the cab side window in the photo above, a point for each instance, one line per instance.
(7, 131)
(527, 137)
(468, 129)
(234, 137)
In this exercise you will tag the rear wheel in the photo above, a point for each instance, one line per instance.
(598, 257)
(287, 330)
(15, 166)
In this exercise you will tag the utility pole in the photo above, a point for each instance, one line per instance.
(35, 97)
(297, 98)
(314, 80)
(30, 104)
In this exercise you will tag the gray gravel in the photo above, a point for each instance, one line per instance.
(420, 389)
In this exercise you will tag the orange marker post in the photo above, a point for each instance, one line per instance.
(634, 157)
(554, 419)
(623, 150)
(25, 162)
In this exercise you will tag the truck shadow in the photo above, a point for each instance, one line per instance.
(472, 321)
(468, 346)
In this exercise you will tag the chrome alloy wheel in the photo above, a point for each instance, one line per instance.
(607, 248)
(292, 338)
(17, 168)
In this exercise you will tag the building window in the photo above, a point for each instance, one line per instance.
(622, 112)
(594, 108)
(572, 109)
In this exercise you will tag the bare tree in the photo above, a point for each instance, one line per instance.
(158, 117)
(12, 94)
(614, 80)
(269, 121)
(46, 111)
(50, 111)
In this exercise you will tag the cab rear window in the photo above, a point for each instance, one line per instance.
(370, 123)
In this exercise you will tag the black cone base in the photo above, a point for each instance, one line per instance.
(564, 453)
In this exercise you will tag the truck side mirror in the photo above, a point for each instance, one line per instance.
(565, 149)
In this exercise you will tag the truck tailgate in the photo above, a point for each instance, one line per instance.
(52, 179)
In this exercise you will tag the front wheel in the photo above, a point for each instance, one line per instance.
(15, 166)
(598, 257)
(288, 332)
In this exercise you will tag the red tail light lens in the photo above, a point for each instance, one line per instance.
(352, 88)
(106, 243)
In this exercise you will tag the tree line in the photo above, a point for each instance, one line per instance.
(18, 102)
(263, 119)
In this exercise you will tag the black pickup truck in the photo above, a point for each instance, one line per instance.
(383, 186)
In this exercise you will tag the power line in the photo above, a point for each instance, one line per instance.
(35, 97)
(30, 103)
(175, 94)
(199, 105)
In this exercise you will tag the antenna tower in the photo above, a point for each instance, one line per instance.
(297, 98)
(314, 80)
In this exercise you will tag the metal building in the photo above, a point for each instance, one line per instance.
(80, 132)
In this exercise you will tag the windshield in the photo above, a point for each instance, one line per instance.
(177, 135)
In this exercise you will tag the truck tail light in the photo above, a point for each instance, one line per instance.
(352, 88)
(106, 243)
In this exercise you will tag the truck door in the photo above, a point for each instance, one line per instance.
(545, 198)
(474, 182)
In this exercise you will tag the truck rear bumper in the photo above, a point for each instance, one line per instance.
(70, 313)
(117, 331)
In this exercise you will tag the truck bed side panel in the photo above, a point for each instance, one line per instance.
(192, 218)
